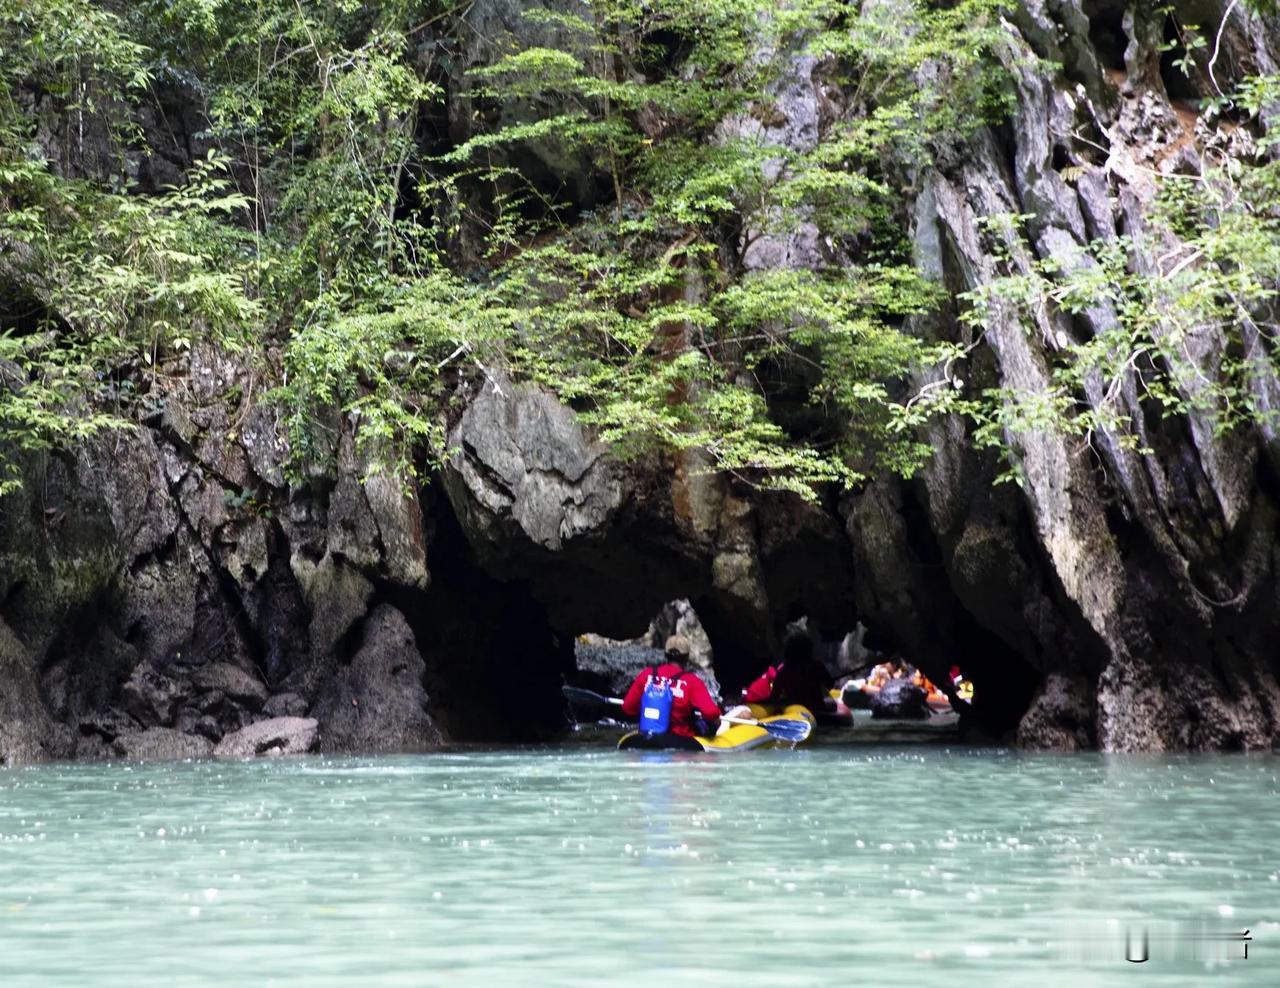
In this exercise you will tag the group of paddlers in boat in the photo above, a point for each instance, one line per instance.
(675, 710)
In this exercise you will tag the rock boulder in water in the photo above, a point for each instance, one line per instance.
(160, 744)
(899, 699)
(679, 618)
(27, 733)
(378, 702)
(277, 736)
(151, 697)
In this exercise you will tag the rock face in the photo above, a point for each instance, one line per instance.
(679, 618)
(531, 471)
(1120, 598)
(1133, 592)
(27, 733)
(167, 583)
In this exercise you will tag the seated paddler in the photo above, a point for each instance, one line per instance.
(667, 698)
(798, 678)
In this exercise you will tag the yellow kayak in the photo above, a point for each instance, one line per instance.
(841, 716)
(739, 737)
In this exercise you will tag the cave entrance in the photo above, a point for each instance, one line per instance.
(608, 665)
(1178, 69)
(964, 676)
(494, 661)
(1107, 34)
(861, 686)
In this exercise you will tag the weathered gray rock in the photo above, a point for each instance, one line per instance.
(337, 597)
(108, 723)
(160, 600)
(679, 618)
(609, 667)
(147, 577)
(1075, 585)
(523, 467)
(128, 480)
(92, 748)
(194, 722)
(277, 736)
(285, 705)
(264, 444)
(27, 733)
(240, 687)
(378, 701)
(151, 697)
(351, 528)
(397, 511)
(1062, 716)
(160, 744)
(241, 546)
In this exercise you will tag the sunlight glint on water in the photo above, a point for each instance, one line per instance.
(580, 868)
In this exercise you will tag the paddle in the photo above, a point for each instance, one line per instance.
(585, 703)
(792, 730)
(588, 705)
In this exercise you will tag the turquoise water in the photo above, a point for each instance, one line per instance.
(573, 867)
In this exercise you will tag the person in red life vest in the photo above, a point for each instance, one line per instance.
(798, 678)
(665, 698)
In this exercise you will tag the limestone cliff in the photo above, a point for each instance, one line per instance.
(1134, 592)
(163, 589)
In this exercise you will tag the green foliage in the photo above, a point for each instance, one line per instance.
(395, 268)
(647, 313)
(917, 72)
(124, 281)
(591, 219)
(319, 103)
(117, 281)
(72, 49)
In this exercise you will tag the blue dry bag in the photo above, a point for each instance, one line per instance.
(655, 706)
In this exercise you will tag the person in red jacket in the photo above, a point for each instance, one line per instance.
(688, 695)
(798, 678)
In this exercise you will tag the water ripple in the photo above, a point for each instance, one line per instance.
(547, 867)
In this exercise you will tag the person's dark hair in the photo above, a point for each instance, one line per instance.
(797, 647)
